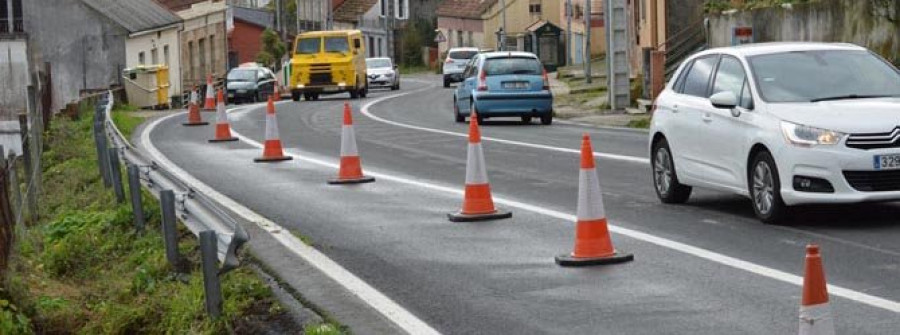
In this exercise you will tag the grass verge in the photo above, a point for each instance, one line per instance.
(643, 123)
(82, 269)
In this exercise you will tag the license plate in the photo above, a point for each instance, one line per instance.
(231, 95)
(242, 91)
(515, 85)
(330, 89)
(887, 162)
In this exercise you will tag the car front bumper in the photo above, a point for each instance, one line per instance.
(830, 163)
(232, 94)
(381, 81)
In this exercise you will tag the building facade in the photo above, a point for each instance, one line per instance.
(204, 43)
(245, 41)
(460, 23)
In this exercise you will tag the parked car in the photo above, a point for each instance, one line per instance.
(249, 82)
(784, 124)
(381, 72)
(504, 84)
(456, 61)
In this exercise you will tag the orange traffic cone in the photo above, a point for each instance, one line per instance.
(194, 117)
(223, 127)
(272, 152)
(477, 204)
(815, 313)
(592, 243)
(351, 166)
(276, 92)
(210, 104)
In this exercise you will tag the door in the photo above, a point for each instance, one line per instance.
(464, 90)
(726, 160)
(577, 48)
(691, 101)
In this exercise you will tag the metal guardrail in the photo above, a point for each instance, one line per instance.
(198, 212)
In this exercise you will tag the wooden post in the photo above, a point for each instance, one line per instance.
(6, 219)
(27, 168)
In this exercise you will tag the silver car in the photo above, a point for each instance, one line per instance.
(381, 72)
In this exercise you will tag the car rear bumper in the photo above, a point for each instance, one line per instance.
(514, 104)
(322, 89)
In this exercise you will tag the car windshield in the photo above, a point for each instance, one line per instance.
(378, 63)
(515, 65)
(460, 54)
(242, 75)
(337, 44)
(810, 76)
(309, 46)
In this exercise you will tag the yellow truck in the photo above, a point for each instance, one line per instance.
(328, 62)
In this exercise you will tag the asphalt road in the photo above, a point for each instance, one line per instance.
(499, 277)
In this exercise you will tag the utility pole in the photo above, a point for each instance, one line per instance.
(568, 32)
(502, 25)
(587, 41)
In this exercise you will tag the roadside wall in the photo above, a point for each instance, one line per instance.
(873, 24)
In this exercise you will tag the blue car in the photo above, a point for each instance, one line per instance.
(504, 84)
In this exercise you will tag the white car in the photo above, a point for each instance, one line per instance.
(381, 72)
(783, 123)
(455, 64)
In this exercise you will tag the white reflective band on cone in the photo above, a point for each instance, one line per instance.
(221, 116)
(816, 320)
(476, 173)
(348, 142)
(194, 97)
(590, 198)
(271, 127)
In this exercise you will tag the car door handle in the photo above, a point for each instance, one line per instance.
(707, 117)
(675, 109)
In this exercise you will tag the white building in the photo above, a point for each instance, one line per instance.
(153, 35)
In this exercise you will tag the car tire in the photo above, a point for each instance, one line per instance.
(547, 119)
(665, 178)
(473, 111)
(446, 82)
(307, 97)
(526, 119)
(354, 94)
(295, 96)
(315, 96)
(765, 189)
(456, 114)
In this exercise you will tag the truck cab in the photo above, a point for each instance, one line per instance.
(328, 62)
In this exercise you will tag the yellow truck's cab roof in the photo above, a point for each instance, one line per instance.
(330, 33)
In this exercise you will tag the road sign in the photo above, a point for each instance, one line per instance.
(439, 37)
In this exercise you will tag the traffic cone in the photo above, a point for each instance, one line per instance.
(223, 128)
(815, 313)
(276, 92)
(194, 117)
(272, 152)
(477, 204)
(210, 104)
(351, 166)
(592, 243)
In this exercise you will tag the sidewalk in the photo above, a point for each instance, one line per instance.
(577, 101)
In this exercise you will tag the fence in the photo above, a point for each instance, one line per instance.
(219, 235)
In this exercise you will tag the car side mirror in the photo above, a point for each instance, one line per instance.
(396, 67)
(724, 100)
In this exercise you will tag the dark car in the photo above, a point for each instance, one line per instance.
(250, 83)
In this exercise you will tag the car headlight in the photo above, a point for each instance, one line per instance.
(806, 136)
(389, 75)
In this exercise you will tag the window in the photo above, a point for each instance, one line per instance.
(379, 47)
(730, 77)
(471, 41)
(308, 46)
(462, 54)
(166, 54)
(190, 64)
(357, 43)
(459, 38)
(154, 56)
(696, 82)
(212, 53)
(141, 58)
(201, 48)
(534, 7)
(371, 46)
(514, 65)
(337, 44)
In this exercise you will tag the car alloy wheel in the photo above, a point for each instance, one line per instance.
(665, 177)
(662, 171)
(763, 188)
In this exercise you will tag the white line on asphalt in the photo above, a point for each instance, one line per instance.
(709, 255)
(377, 300)
(365, 111)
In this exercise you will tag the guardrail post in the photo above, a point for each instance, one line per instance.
(209, 257)
(170, 239)
(27, 166)
(116, 173)
(102, 158)
(134, 187)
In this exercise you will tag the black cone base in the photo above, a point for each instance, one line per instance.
(338, 181)
(568, 260)
(496, 215)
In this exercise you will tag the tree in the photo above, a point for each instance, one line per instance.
(273, 50)
(288, 15)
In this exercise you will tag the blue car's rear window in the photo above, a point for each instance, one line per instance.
(512, 65)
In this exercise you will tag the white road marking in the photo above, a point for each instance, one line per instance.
(377, 300)
(365, 111)
(709, 255)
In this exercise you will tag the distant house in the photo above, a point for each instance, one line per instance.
(365, 16)
(152, 35)
(204, 41)
(460, 22)
(244, 42)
